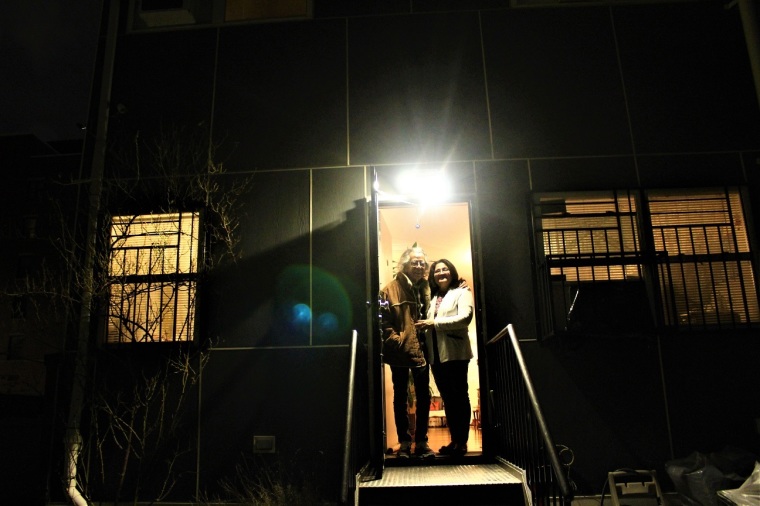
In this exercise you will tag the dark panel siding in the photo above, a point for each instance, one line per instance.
(162, 80)
(281, 95)
(253, 298)
(691, 170)
(339, 258)
(553, 83)
(606, 404)
(291, 394)
(687, 78)
(416, 89)
(505, 246)
(342, 8)
(712, 392)
(582, 173)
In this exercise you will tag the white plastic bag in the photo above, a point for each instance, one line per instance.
(748, 494)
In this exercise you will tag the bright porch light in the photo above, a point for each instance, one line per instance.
(424, 186)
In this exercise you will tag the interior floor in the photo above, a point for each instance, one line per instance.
(439, 436)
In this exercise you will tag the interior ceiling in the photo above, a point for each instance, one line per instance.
(431, 227)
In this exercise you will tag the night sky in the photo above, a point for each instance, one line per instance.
(47, 54)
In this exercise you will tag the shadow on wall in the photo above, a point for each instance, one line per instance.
(282, 297)
(279, 365)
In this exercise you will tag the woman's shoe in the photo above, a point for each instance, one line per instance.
(453, 450)
(447, 449)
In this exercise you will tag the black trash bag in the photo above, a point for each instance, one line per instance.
(698, 477)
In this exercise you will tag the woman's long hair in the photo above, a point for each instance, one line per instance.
(434, 288)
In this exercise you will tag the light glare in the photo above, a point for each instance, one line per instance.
(425, 186)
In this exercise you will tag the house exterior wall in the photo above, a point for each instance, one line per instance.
(518, 100)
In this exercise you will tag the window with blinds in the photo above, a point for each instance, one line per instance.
(707, 278)
(588, 237)
(153, 267)
(597, 275)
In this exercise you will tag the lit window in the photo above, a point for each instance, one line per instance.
(591, 277)
(587, 237)
(597, 275)
(707, 279)
(153, 267)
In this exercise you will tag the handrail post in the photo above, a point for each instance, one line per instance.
(349, 419)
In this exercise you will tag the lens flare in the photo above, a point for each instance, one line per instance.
(327, 322)
(328, 317)
(301, 313)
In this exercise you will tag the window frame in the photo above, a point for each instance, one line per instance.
(151, 255)
(718, 228)
(643, 287)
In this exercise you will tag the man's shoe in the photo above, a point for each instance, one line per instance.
(423, 451)
(405, 450)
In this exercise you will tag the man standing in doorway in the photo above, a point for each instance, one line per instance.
(404, 301)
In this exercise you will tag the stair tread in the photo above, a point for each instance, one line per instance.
(455, 475)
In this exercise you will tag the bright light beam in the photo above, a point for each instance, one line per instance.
(428, 187)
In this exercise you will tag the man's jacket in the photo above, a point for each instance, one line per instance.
(399, 309)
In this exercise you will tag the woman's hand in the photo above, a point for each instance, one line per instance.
(424, 324)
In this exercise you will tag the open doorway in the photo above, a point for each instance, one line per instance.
(443, 231)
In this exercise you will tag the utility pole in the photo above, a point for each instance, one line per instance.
(94, 150)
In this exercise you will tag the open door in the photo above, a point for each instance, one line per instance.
(442, 230)
(375, 366)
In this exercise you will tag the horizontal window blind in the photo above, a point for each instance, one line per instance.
(709, 279)
(698, 255)
(153, 267)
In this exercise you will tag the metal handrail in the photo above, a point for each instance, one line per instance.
(349, 421)
(545, 435)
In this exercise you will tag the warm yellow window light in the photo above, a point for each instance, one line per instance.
(152, 277)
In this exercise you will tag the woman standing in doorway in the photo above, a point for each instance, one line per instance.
(449, 315)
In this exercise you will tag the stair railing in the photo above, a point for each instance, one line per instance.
(347, 479)
(520, 432)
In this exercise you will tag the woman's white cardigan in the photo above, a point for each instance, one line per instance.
(454, 317)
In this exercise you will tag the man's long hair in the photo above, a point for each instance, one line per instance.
(406, 257)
